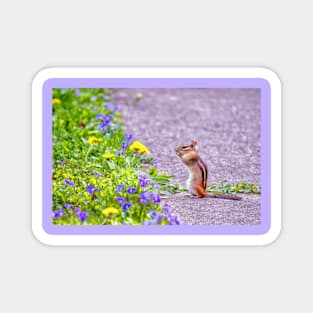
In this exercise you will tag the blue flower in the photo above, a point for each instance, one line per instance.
(110, 106)
(103, 127)
(128, 136)
(68, 205)
(155, 197)
(142, 182)
(82, 215)
(98, 174)
(119, 188)
(156, 165)
(59, 213)
(143, 179)
(173, 220)
(131, 190)
(68, 182)
(99, 117)
(167, 209)
(126, 206)
(93, 98)
(157, 218)
(91, 189)
(150, 196)
(120, 152)
(120, 200)
(145, 197)
(77, 92)
(124, 145)
(105, 119)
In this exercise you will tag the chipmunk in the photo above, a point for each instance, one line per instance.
(198, 172)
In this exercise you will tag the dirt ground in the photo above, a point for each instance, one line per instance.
(225, 122)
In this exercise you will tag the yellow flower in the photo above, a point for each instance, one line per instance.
(108, 155)
(139, 147)
(110, 210)
(56, 101)
(92, 140)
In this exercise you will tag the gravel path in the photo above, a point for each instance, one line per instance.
(226, 123)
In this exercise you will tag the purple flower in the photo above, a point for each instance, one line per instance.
(156, 165)
(105, 121)
(99, 117)
(106, 97)
(68, 182)
(173, 220)
(131, 190)
(156, 186)
(77, 92)
(150, 196)
(143, 183)
(120, 152)
(120, 200)
(93, 98)
(103, 127)
(82, 215)
(110, 106)
(124, 145)
(59, 213)
(167, 209)
(119, 188)
(155, 197)
(68, 205)
(145, 197)
(98, 174)
(91, 189)
(126, 206)
(143, 179)
(157, 218)
(128, 136)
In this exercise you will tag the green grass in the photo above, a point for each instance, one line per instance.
(241, 187)
(93, 159)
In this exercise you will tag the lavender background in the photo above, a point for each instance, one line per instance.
(158, 83)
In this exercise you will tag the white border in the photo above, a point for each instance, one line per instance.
(130, 72)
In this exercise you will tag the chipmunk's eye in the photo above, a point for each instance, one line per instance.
(185, 147)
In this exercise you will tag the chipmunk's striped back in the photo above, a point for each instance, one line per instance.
(204, 172)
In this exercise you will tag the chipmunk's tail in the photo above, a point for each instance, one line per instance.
(226, 196)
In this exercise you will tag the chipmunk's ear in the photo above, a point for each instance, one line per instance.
(195, 144)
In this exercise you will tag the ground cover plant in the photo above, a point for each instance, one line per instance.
(102, 175)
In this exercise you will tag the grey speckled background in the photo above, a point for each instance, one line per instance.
(226, 123)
